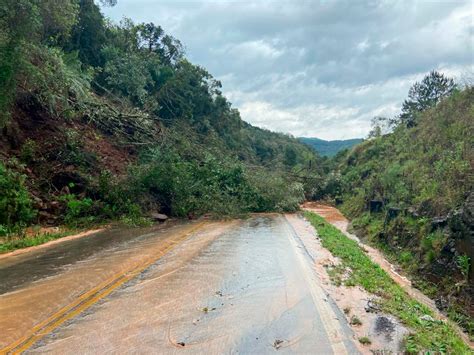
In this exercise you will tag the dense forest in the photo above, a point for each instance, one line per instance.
(105, 121)
(410, 192)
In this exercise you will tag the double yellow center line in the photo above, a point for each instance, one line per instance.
(90, 297)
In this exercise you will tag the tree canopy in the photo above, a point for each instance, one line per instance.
(425, 94)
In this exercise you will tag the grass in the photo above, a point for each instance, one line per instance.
(17, 241)
(436, 337)
(14, 244)
(355, 321)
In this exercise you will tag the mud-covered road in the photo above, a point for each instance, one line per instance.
(244, 286)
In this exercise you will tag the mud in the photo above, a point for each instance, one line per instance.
(352, 301)
(22, 267)
(235, 287)
(336, 218)
(52, 278)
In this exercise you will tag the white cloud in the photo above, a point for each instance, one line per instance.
(321, 68)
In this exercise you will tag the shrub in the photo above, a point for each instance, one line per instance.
(16, 209)
(406, 257)
(464, 264)
(222, 186)
(78, 210)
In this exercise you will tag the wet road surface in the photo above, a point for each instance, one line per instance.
(245, 286)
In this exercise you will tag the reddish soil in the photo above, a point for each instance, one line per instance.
(57, 152)
(336, 218)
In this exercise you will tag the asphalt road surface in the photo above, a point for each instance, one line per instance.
(235, 287)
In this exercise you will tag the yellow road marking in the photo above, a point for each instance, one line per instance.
(88, 299)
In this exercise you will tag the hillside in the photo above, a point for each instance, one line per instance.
(410, 193)
(329, 148)
(103, 121)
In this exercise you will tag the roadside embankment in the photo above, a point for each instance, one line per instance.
(366, 267)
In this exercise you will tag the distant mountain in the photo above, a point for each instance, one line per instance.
(329, 148)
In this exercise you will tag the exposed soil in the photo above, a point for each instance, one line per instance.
(336, 218)
(57, 153)
(352, 301)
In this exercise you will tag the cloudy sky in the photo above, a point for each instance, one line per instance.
(316, 68)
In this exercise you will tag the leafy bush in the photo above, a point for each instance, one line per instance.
(77, 210)
(222, 186)
(464, 264)
(16, 209)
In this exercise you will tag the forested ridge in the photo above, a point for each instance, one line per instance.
(108, 121)
(330, 148)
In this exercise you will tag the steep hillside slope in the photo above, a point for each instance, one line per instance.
(103, 121)
(411, 193)
(329, 148)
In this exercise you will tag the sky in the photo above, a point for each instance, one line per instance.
(316, 68)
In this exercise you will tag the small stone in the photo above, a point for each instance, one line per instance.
(159, 217)
(427, 318)
(277, 343)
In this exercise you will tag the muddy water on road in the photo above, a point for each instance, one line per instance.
(25, 268)
(234, 287)
(36, 285)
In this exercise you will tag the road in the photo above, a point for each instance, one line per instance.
(243, 286)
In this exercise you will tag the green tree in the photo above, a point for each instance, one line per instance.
(425, 94)
(108, 2)
(19, 21)
(290, 156)
(150, 35)
(88, 35)
(15, 203)
(153, 38)
(58, 18)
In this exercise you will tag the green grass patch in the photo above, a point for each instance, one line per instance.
(14, 244)
(433, 337)
(365, 341)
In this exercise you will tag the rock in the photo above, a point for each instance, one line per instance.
(441, 303)
(38, 203)
(54, 206)
(375, 206)
(385, 326)
(372, 306)
(439, 222)
(159, 217)
(461, 225)
(43, 215)
(65, 190)
(427, 318)
(277, 343)
(392, 213)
